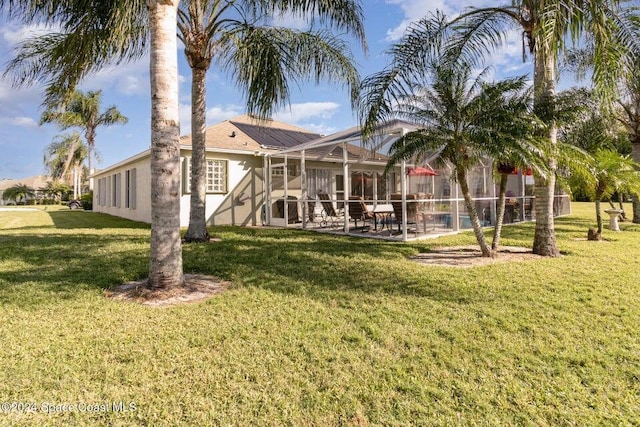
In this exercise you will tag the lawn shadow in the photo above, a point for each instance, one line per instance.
(71, 219)
(62, 265)
(312, 264)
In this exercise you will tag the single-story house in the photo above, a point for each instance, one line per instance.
(36, 182)
(236, 153)
(269, 172)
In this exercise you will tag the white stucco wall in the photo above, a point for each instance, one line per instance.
(142, 210)
(241, 204)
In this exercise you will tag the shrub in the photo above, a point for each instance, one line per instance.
(87, 201)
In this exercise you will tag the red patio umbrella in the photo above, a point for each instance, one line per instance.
(420, 171)
(528, 172)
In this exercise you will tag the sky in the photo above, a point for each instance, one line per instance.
(323, 108)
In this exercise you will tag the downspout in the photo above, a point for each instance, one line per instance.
(303, 179)
(285, 204)
(347, 185)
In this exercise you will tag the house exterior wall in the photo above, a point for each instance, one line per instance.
(103, 194)
(241, 204)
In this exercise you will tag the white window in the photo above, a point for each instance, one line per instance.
(215, 176)
(292, 170)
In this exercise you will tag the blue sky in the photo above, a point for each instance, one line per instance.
(324, 108)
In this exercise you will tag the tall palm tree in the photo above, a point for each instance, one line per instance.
(630, 118)
(265, 58)
(94, 34)
(462, 118)
(18, 193)
(83, 111)
(63, 155)
(546, 27)
(505, 134)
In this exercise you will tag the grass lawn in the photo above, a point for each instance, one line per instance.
(318, 330)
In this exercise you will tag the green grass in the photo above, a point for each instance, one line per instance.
(319, 330)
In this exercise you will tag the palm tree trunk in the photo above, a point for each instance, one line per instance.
(197, 231)
(165, 267)
(473, 214)
(598, 214)
(91, 141)
(635, 154)
(502, 198)
(69, 160)
(544, 241)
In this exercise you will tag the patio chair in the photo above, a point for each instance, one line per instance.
(313, 214)
(529, 208)
(416, 211)
(329, 213)
(359, 211)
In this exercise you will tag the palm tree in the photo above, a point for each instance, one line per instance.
(463, 119)
(66, 153)
(610, 172)
(56, 190)
(630, 118)
(546, 28)
(451, 109)
(18, 193)
(263, 57)
(94, 34)
(83, 111)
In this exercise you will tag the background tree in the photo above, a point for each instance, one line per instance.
(630, 117)
(580, 61)
(264, 58)
(18, 193)
(609, 172)
(83, 111)
(64, 155)
(56, 190)
(592, 129)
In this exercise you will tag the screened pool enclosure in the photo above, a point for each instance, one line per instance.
(338, 184)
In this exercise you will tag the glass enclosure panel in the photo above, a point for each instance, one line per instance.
(318, 180)
(362, 184)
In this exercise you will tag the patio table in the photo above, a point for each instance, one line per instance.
(382, 211)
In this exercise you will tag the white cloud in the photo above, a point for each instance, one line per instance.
(223, 112)
(289, 20)
(21, 121)
(13, 34)
(414, 10)
(130, 85)
(307, 110)
(128, 78)
(215, 115)
(319, 128)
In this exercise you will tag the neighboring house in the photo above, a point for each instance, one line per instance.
(36, 182)
(236, 151)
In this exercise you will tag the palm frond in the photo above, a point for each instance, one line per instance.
(264, 60)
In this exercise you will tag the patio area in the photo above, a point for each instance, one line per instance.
(338, 184)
